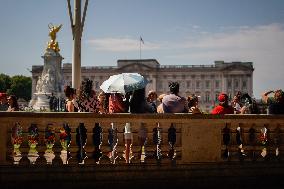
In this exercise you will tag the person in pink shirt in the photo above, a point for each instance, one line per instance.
(173, 103)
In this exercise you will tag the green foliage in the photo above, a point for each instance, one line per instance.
(5, 82)
(18, 85)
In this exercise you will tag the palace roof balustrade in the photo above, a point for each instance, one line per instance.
(146, 150)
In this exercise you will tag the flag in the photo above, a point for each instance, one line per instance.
(141, 40)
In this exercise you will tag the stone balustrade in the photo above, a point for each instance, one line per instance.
(148, 139)
(86, 150)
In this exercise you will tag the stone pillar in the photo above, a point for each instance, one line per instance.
(76, 66)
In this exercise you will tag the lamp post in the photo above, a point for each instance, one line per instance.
(77, 26)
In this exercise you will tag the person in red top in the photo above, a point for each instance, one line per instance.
(223, 107)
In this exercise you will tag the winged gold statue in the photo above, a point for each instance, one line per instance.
(53, 44)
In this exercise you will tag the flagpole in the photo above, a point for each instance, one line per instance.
(140, 47)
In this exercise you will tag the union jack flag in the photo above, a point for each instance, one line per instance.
(141, 40)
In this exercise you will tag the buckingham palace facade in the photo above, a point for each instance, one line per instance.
(206, 81)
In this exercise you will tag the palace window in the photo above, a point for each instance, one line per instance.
(160, 85)
(97, 84)
(197, 85)
(182, 84)
(197, 93)
(188, 84)
(216, 96)
(244, 84)
(207, 84)
(207, 97)
(217, 84)
(236, 83)
(229, 84)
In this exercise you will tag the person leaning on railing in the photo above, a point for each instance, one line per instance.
(223, 107)
(193, 104)
(152, 100)
(87, 99)
(138, 103)
(275, 103)
(13, 103)
(70, 93)
(116, 104)
(102, 103)
(173, 102)
(160, 106)
(3, 102)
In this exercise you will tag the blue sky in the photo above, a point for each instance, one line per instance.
(182, 32)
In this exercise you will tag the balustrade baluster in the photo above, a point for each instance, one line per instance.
(17, 140)
(226, 140)
(112, 141)
(128, 139)
(239, 140)
(49, 140)
(263, 141)
(33, 139)
(172, 141)
(277, 140)
(157, 140)
(142, 139)
(65, 141)
(97, 141)
(252, 142)
(81, 140)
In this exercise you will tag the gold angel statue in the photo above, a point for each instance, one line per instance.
(53, 44)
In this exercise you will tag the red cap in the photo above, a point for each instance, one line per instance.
(223, 97)
(3, 95)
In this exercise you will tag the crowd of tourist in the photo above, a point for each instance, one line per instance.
(138, 102)
(85, 99)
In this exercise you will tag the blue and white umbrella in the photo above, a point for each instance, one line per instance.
(123, 83)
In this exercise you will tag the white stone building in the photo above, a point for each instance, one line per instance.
(206, 81)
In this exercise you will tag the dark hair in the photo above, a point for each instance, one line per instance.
(174, 87)
(254, 107)
(87, 87)
(244, 97)
(279, 96)
(192, 100)
(69, 91)
(138, 102)
(15, 104)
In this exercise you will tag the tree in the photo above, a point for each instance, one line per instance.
(5, 82)
(21, 86)
(18, 85)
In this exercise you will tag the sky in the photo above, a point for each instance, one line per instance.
(175, 32)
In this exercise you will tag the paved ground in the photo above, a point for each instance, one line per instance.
(228, 175)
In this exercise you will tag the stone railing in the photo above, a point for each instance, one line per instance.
(87, 138)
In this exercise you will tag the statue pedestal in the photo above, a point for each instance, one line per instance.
(50, 82)
(42, 102)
